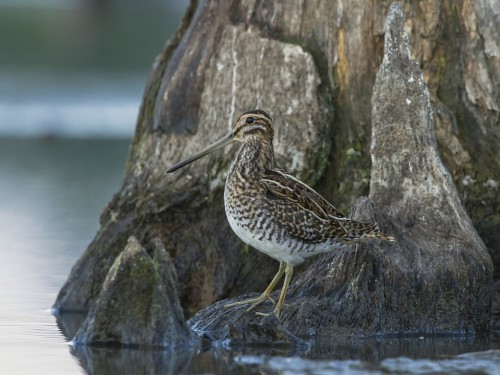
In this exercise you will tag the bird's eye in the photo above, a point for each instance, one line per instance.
(250, 120)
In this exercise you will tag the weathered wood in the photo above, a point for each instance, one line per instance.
(436, 277)
(312, 65)
(448, 268)
(138, 305)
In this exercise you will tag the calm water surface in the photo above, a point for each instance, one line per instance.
(52, 192)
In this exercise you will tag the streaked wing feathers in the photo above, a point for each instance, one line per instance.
(295, 191)
(302, 212)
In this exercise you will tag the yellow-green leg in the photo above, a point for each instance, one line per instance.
(266, 294)
(284, 290)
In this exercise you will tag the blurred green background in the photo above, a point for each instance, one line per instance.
(78, 67)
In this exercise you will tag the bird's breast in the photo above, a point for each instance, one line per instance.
(250, 219)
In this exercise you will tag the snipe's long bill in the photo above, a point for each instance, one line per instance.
(273, 211)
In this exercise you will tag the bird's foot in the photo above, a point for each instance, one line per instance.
(254, 301)
(276, 311)
(262, 314)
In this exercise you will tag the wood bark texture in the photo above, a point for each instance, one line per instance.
(138, 305)
(312, 65)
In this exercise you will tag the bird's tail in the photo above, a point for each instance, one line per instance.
(356, 231)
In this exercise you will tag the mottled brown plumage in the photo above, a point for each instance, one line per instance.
(275, 212)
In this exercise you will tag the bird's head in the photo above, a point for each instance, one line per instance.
(256, 124)
(253, 124)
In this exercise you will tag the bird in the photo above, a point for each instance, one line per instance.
(273, 211)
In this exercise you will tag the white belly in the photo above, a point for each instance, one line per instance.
(281, 246)
(281, 252)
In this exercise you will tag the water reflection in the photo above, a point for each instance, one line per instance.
(378, 349)
(364, 356)
(130, 361)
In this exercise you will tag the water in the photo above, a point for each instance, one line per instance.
(52, 192)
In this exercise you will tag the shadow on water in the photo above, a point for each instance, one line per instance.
(364, 355)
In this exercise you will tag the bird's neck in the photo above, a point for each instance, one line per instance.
(254, 157)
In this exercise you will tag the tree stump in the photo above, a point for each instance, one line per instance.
(312, 65)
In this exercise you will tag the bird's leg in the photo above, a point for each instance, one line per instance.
(284, 290)
(266, 294)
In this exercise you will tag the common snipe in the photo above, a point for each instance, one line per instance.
(275, 212)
